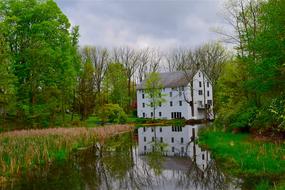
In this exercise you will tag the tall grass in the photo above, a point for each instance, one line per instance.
(27, 149)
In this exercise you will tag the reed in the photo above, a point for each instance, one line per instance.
(23, 150)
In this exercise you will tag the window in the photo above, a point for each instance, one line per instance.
(144, 148)
(152, 129)
(151, 114)
(160, 129)
(142, 96)
(143, 129)
(176, 115)
(161, 139)
(208, 85)
(209, 102)
(180, 103)
(159, 104)
(170, 94)
(182, 150)
(200, 84)
(200, 92)
(208, 93)
(173, 149)
(199, 74)
(143, 105)
(203, 157)
(152, 139)
(181, 140)
(159, 114)
(143, 114)
(172, 139)
(144, 139)
(171, 104)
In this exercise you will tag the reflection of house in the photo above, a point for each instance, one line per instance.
(179, 97)
(179, 140)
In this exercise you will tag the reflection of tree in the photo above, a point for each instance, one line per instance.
(156, 158)
(114, 165)
(210, 178)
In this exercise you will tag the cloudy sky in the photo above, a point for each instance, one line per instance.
(145, 23)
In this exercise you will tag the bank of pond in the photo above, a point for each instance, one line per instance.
(123, 157)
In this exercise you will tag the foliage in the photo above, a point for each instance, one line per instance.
(43, 56)
(85, 99)
(116, 83)
(112, 113)
(7, 80)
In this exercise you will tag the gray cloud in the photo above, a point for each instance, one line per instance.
(144, 23)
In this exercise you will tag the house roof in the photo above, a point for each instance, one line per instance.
(169, 80)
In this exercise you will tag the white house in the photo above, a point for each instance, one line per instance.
(179, 96)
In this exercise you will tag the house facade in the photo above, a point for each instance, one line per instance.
(188, 96)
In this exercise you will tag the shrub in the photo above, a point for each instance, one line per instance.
(112, 113)
(244, 117)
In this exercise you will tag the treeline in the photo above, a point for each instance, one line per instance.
(251, 88)
(45, 76)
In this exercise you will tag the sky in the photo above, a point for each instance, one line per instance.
(159, 24)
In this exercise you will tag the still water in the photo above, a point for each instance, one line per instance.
(165, 157)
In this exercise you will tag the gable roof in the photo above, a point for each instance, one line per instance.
(169, 80)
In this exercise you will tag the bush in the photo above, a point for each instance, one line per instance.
(243, 117)
(112, 113)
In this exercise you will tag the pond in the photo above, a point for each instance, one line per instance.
(161, 157)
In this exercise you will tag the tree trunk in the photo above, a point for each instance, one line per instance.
(192, 98)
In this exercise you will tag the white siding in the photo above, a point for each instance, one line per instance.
(185, 109)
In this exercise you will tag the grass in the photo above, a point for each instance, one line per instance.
(23, 150)
(242, 156)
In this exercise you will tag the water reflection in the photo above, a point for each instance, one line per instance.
(154, 158)
(179, 141)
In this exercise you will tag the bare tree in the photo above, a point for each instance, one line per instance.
(241, 15)
(210, 60)
(186, 61)
(130, 59)
(99, 58)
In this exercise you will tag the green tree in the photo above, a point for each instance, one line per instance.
(7, 80)
(42, 54)
(86, 93)
(116, 85)
(153, 89)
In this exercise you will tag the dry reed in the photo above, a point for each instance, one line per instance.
(25, 149)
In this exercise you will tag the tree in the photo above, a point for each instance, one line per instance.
(86, 92)
(7, 80)
(130, 59)
(116, 84)
(153, 89)
(42, 55)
